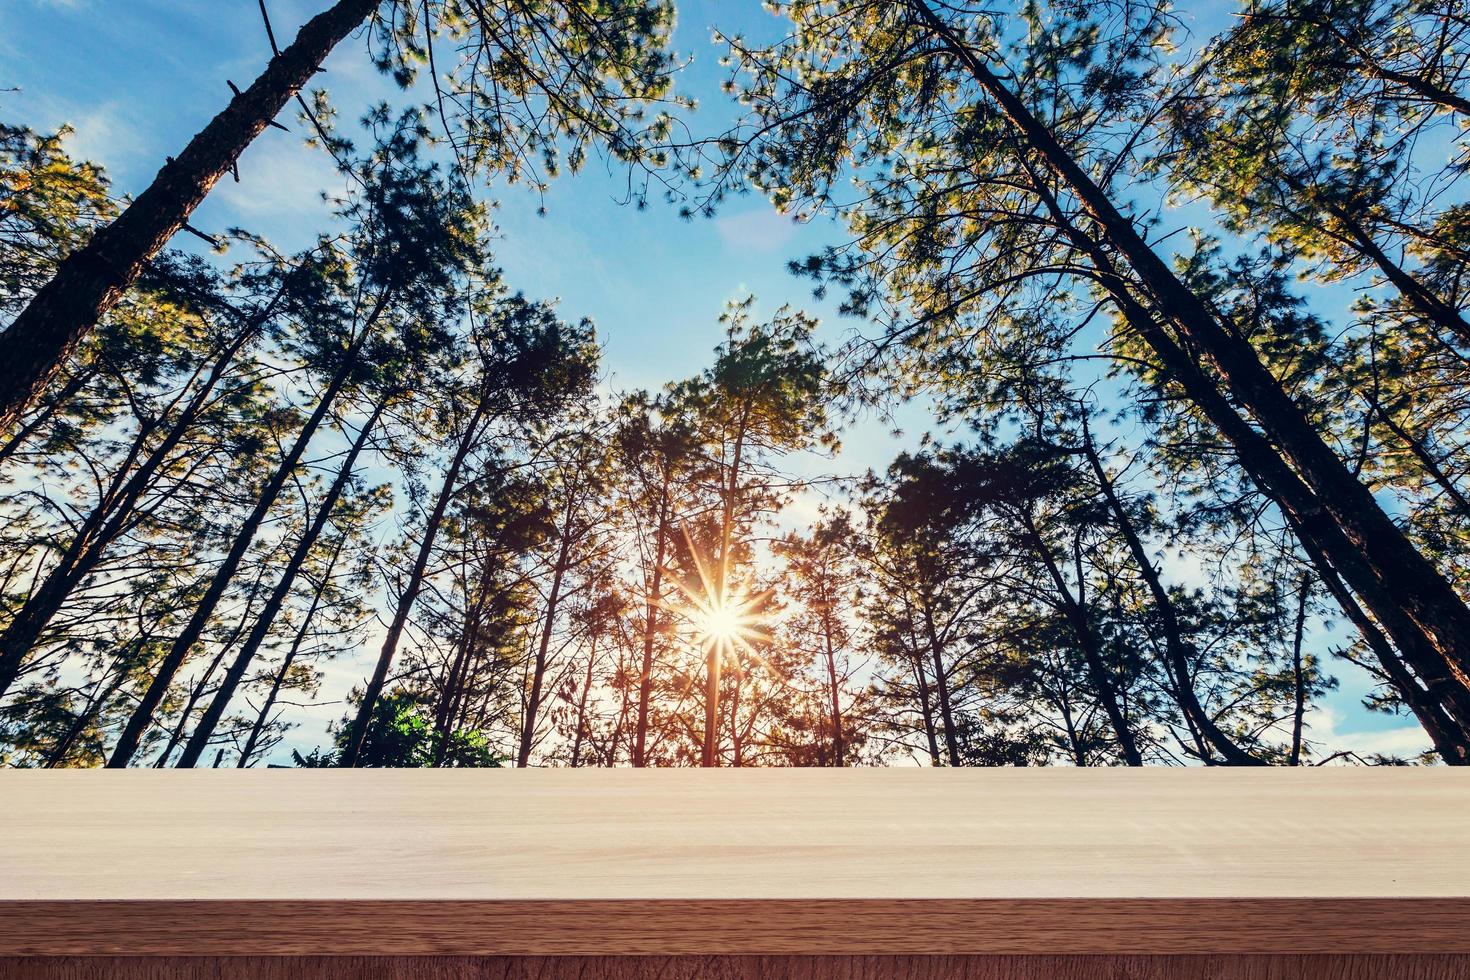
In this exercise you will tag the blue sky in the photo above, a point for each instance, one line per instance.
(137, 78)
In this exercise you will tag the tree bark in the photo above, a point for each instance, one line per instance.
(90, 281)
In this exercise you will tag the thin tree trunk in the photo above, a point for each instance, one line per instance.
(1299, 678)
(714, 656)
(926, 707)
(713, 662)
(202, 733)
(352, 749)
(941, 682)
(650, 629)
(263, 718)
(1074, 737)
(1174, 645)
(194, 695)
(1088, 642)
(451, 698)
(1403, 589)
(90, 281)
(538, 672)
(582, 705)
(112, 515)
(143, 716)
(833, 690)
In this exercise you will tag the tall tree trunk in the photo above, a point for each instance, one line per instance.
(650, 627)
(1074, 737)
(278, 681)
(926, 706)
(1174, 645)
(1403, 589)
(90, 281)
(1320, 535)
(452, 696)
(202, 733)
(543, 646)
(833, 690)
(143, 716)
(581, 729)
(737, 734)
(1451, 740)
(941, 681)
(352, 749)
(1088, 642)
(195, 694)
(709, 756)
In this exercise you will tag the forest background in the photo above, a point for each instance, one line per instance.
(1277, 667)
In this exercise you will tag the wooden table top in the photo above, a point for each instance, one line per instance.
(738, 861)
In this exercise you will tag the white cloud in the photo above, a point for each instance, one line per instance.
(761, 230)
(105, 134)
(1325, 726)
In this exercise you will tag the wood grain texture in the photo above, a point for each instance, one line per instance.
(580, 862)
(749, 926)
(735, 834)
(1427, 967)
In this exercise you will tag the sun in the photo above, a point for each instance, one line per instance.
(725, 616)
(727, 622)
(722, 623)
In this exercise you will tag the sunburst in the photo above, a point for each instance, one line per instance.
(727, 616)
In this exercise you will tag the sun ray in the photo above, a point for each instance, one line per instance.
(724, 615)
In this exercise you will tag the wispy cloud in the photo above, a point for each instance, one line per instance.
(762, 230)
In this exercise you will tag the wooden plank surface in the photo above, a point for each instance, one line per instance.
(1428, 967)
(737, 927)
(753, 861)
(629, 834)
